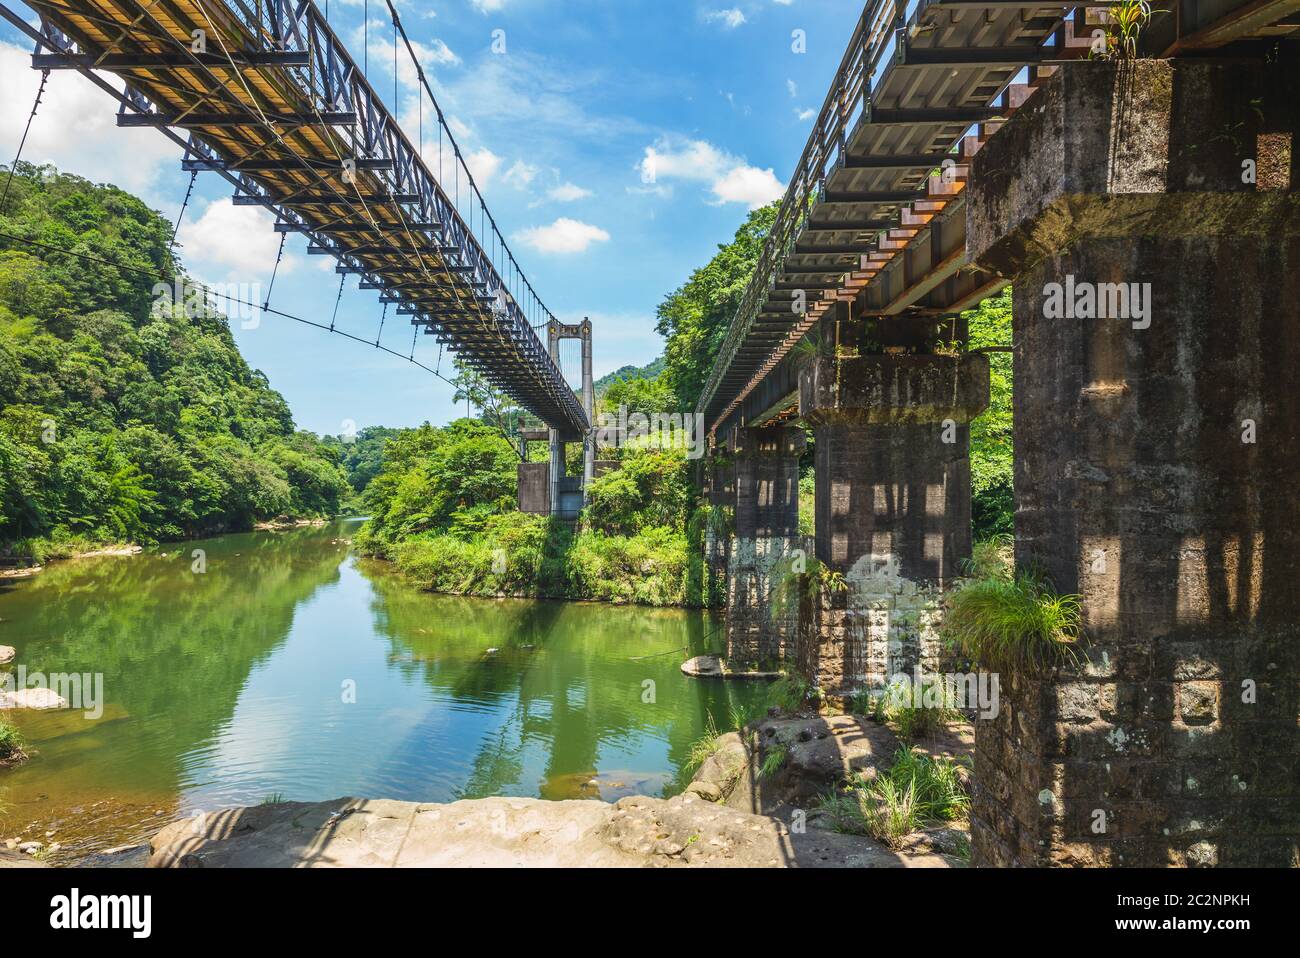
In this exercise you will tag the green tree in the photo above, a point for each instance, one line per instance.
(121, 417)
(992, 450)
(694, 319)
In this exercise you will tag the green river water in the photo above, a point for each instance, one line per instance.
(231, 687)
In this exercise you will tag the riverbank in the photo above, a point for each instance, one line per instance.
(81, 549)
(96, 551)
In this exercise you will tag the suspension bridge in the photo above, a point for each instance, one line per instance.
(266, 95)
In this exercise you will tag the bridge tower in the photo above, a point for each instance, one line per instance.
(568, 494)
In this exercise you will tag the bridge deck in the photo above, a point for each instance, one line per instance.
(277, 106)
(915, 79)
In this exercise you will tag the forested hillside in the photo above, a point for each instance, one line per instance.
(121, 420)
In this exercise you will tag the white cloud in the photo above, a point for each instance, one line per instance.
(488, 6)
(562, 236)
(378, 41)
(76, 127)
(730, 178)
(749, 185)
(567, 193)
(792, 87)
(242, 239)
(520, 175)
(730, 18)
(805, 114)
(483, 165)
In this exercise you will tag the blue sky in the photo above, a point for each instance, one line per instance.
(559, 129)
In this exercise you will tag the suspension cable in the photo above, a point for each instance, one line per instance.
(40, 91)
(189, 191)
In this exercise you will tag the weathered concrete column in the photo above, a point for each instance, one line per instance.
(1157, 418)
(766, 462)
(892, 442)
(717, 475)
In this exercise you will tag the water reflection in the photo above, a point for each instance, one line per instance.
(289, 669)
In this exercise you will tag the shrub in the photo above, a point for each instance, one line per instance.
(917, 714)
(649, 489)
(649, 568)
(12, 746)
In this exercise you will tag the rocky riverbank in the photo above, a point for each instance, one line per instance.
(733, 814)
(685, 831)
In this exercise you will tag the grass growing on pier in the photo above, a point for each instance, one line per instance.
(1012, 623)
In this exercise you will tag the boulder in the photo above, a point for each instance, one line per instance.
(7, 654)
(819, 753)
(32, 699)
(703, 666)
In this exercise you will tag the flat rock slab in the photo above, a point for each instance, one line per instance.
(507, 832)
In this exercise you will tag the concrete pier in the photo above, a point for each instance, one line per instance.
(892, 443)
(766, 463)
(1144, 213)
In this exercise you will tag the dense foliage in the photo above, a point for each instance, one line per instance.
(120, 419)
(992, 452)
(361, 455)
(442, 508)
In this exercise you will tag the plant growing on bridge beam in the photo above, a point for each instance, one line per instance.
(791, 587)
(1125, 22)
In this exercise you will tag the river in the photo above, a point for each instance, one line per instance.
(292, 670)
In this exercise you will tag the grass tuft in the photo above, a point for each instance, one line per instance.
(774, 759)
(13, 749)
(788, 693)
(917, 791)
(1012, 624)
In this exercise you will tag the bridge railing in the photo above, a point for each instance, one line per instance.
(842, 109)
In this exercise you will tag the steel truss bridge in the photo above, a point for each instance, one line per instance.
(874, 214)
(265, 94)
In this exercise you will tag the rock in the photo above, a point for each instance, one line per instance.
(9, 859)
(125, 856)
(32, 699)
(708, 791)
(7, 654)
(636, 832)
(820, 753)
(703, 666)
(30, 848)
